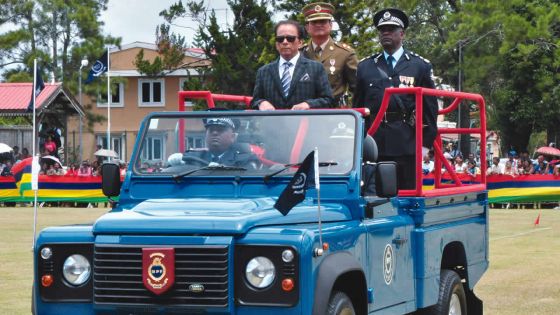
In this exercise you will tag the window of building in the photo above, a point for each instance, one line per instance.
(196, 142)
(188, 103)
(118, 144)
(155, 150)
(151, 92)
(117, 96)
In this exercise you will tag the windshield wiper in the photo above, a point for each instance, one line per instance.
(211, 167)
(267, 177)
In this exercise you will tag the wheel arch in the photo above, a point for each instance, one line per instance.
(342, 272)
(454, 258)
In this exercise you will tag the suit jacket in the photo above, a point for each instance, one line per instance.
(340, 62)
(397, 138)
(309, 84)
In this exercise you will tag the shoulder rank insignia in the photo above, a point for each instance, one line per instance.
(422, 58)
(344, 46)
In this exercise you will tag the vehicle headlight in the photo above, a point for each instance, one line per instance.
(260, 272)
(76, 270)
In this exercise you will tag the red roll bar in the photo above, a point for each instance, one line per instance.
(441, 189)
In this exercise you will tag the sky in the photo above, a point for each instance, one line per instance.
(136, 20)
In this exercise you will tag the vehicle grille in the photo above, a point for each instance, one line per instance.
(118, 276)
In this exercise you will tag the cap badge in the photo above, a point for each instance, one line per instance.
(387, 15)
(317, 8)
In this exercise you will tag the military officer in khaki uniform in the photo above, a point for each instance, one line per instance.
(338, 59)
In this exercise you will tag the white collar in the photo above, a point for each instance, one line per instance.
(397, 54)
(293, 61)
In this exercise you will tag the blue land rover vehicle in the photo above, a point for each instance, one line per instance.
(193, 236)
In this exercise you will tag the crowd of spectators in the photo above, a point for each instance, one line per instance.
(513, 165)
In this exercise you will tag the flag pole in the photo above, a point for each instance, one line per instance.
(34, 159)
(318, 251)
(108, 98)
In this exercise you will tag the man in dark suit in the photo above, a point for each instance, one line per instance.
(222, 147)
(396, 67)
(292, 81)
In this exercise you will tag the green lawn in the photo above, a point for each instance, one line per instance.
(523, 277)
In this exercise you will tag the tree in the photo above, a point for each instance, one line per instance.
(354, 20)
(171, 49)
(511, 57)
(58, 33)
(235, 52)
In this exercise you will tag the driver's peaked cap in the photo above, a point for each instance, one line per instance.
(222, 121)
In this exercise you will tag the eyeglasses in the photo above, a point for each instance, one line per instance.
(289, 38)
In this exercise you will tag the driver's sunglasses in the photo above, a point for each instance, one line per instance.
(289, 38)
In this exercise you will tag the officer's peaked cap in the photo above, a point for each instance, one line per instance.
(222, 121)
(390, 16)
(318, 11)
(342, 132)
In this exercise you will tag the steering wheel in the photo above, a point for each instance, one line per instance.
(195, 159)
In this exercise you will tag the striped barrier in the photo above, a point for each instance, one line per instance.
(8, 189)
(506, 188)
(501, 188)
(55, 188)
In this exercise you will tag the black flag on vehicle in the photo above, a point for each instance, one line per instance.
(303, 179)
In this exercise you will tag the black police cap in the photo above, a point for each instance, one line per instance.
(390, 16)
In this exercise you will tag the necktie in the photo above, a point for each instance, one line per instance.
(286, 79)
(390, 62)
(318, 52)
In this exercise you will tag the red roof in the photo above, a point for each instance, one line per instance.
(16, 96)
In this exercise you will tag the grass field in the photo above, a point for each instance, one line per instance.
(524, 274)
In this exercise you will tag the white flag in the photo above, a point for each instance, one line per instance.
(316, 169)
(35, 169)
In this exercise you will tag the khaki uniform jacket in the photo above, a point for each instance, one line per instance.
(340, 63)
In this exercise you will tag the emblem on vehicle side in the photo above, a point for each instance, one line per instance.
(388, 264)
(158, 269)
(196, 288)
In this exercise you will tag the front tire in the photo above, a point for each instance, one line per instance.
(452, 299)
(340, 304)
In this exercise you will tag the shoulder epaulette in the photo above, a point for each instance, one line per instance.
(417, 55)
(344, 46)
(376, 56)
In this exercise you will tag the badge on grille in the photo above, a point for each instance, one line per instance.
(158, 269)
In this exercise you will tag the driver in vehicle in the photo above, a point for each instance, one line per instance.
(222, 148)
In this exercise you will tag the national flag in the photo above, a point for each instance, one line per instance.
(303, 179)
(98, 68)
(39, 86)
(538, 220)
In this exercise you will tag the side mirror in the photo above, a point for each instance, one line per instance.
(111, 179)
(386, 179)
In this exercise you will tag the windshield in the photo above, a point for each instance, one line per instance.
(245, 144)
